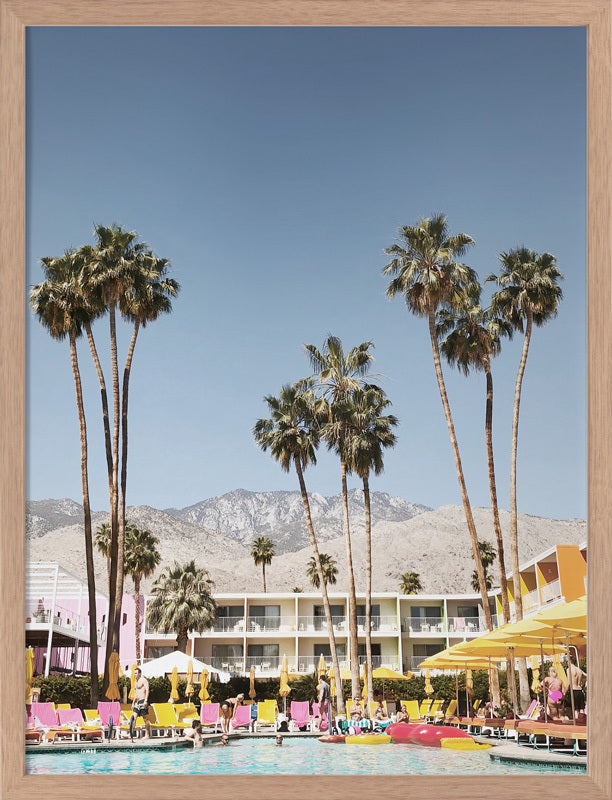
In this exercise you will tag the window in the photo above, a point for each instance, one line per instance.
(153, 651)
(226, 651)
(424, 612)
(230, 611)
(263, 651)
(267, 617)
(323, 648)
(375, 611)
(426, 650)
(361, 649)
(336, 611)
(467, 611)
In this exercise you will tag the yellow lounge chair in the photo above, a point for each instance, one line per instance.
(412, 707)
(424, 708)
(166, 722)
(435, 710)
(186, 712)
(373, 705)
(450, 711)
(266, 714)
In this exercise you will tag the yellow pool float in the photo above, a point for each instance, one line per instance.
(365, 738)
(463, 744)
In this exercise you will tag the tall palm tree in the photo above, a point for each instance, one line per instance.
(340, 374)
(487, 557)
(292, 434)
(102, 541)
(141, 560)
(262, 553)
(370, 432)
(425, 271)
(63, 310)
(329, 569)
(109, 268)
(472, 338)
(529, 294)
(411, 583)
(182, 601)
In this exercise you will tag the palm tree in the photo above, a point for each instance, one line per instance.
(411, 583)
(141, 559)
(292, 434)
(487, 557)
(328, 568)
(102, 541)
(63, 310)
(476, 586)
(339, 375)
(262, 553)
(472, 338)
(425, 271)
(370, 432)
(109, 269)
(529, 294)
(182, 601)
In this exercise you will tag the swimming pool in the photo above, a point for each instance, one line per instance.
(263, 757)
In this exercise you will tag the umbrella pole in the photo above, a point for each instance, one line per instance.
(457, 688)
(544, 693)
(569, 675)
(514, 693)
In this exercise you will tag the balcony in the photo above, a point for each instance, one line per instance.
(270, 624)
(234, 665)
(550, 592)
(387, 624)
(469, 626)
(319, 624)
(229, 625)
(61, 617)
(426, 625)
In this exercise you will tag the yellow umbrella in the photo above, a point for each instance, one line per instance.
(332, 682)
(284, 688)
(322, 668)
(29, 670)
(364, 678)
(174, 695)
(428, 687)
(252, 692)
(386, 674)
(189, 688)
(566, 616)
(112, 693)
(536, 683)
(469, 682)
(132, 681)
(203, 695)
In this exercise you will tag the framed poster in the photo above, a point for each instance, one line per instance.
(594, 18)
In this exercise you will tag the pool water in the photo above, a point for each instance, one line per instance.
(263, 757)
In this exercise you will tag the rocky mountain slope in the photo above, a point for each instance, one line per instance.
(405, 537)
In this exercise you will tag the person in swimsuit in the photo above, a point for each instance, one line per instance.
(554, 692)
(323, 700)
(140, 703)
(380, 713)
(577, 680)
(402, 715)
(195, 734)
(228, 708)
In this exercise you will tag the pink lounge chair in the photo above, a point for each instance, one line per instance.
(300, 715)
(209, 715)
(42, 715)
(242, 716)
(108, 711)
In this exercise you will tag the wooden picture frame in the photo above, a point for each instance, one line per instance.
(15, 16)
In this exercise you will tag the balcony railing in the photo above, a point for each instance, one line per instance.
(382, 624)
(531, 600)
(314, 624)
(469, 626)
(60, 617)
(265, 624)
(424, 624)
(550, 591)
(233, 665)
(229, 625)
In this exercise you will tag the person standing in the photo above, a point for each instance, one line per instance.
(323, 700)
(140, 703)
(577, 680)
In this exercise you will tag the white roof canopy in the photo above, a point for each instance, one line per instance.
(164, 665)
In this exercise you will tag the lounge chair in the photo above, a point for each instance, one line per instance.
(266, 714)
(434, 711)
(186, 712)
(373, 705)
(209, 716)
(72, 720)
(300, 715)
(42, 715)
(242, 717)
(412, 707)
(166, 722)
(424, 708)
(110, 717)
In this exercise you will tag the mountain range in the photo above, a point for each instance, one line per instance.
(217, 534)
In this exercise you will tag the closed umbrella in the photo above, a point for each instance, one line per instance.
(112, 693)
(204, 695)
(29, 670)
(428, 687)
(322, 668)
(536, 683)
(252, 692)
(174, 695)
(284, 688)
(132, 682)
(332, 682)
(189, 688)
(364, 678)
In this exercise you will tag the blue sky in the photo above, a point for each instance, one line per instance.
(272, 167)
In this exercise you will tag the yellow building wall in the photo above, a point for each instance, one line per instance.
(572, 571)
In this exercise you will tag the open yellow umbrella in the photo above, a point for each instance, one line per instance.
(112, 693)
(386, 674)
(252, 691)
(322, 668)
(284, 688)
(428, 687)
(174, 695)
(203, 695)
(29, 671)
(566, 616)
(132, 681)
(189, 688)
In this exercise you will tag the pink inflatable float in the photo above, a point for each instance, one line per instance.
(420, 733)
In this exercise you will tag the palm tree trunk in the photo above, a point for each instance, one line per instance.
(323, 585)
(352, 603)
(104, 398)
(115, 507)
(124, 454)
(91, 580)
(263, 569)
(503, 580)
(137, 616)
(516, 578)
(182, 637)
(464, 495)
(368, 603)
